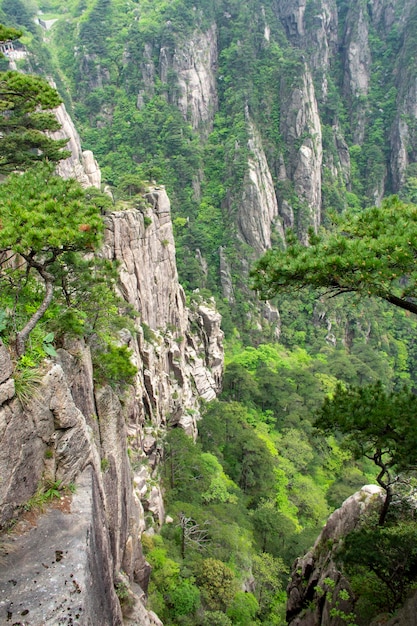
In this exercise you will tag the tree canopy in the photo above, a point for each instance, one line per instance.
(376, 424)
(371, 254)
(42, 217)
(9, 34)
(25, 117)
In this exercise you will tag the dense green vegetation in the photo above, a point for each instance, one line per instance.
(106, 55)
(98, 51)
(370, 254)
(258, 484)
(255, 490)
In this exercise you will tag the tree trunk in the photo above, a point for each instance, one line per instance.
(23, 335)
(385, 506)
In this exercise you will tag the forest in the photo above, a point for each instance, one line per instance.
(317, 402)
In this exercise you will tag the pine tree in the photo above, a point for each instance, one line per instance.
(25, 117)
(42, 218)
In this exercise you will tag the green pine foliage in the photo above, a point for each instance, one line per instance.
(25, 103)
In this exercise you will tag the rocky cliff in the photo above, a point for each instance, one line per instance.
(81, 164)
(309, 603)
(80, 555)
(318, 593)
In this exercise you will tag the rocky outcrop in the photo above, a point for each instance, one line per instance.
(61, 432)
(173, 361)
(195, 63)
(301, 129)
(189, 72)
(258, 214)
(403, 134)
(58, 569)
(226, 277)
(291, 14)
(357, 66)
(321, 43)
(81, 165)
(310, 598)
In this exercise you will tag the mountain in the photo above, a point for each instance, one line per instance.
(215, 128)
(257, 117)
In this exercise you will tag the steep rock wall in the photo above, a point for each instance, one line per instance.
(301, 129)
(69, 559)
(357, 66)
(311, 600)
(189, 69)
(173, 362)
(81, 165)
(308, 604)
(195, 63)
(258, 214)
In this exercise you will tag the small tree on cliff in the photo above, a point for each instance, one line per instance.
(42, 218)
(377, 425)
(372, 254)
(25, 117)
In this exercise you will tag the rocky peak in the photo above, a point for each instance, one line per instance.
(68, 560)
(403, 137)
(173, 359)
(357, 65)
(291, 14)
(307, 604)
(301, 128)
(192, 64)
(81, 165)
(195, 63)
(258, 214)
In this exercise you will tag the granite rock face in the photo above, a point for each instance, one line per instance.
(172, 360)
(195, 63)
(258, 215)
(65, 433)
(301, 128)
(80, 165)
(310, 599)
(307, 603)
(59, 569)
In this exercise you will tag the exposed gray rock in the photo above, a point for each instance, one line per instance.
(403, 136)
(195, 62)
(172, 359)
(301, 128)
(50, 420)
(291, 13)
(307, 604)
(135, 613)
(5, 363)
(357, 66)
(258, 214)
(226, 277)
(322, 41)
(80, 165)
(60, 570)
(7, 391)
